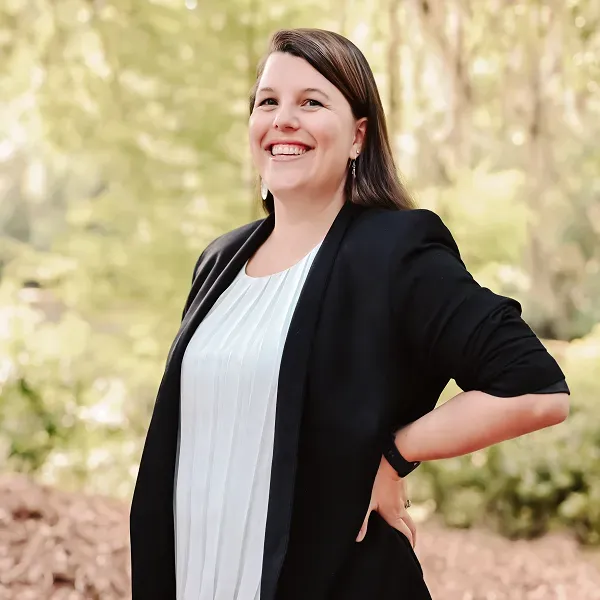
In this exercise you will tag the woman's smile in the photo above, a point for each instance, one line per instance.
(287, 151)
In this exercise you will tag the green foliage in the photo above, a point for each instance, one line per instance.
(526, 486)
(64, 409)
(123, 152)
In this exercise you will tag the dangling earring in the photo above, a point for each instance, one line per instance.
(264, 190)
(354, 164)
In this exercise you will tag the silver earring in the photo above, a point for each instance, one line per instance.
(264, 190)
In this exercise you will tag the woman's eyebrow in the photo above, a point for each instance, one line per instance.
(270, 90)
(312, 90)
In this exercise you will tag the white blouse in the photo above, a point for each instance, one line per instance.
(228, 396)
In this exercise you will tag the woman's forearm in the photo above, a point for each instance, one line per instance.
(474, 420)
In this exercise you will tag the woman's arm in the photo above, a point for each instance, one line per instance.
(474, 420)
(456, 329)
(470, 421)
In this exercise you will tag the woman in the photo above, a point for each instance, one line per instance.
(307, 340)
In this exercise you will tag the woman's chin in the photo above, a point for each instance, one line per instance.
(289, 191)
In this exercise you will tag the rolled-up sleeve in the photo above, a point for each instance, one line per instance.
(459, 329)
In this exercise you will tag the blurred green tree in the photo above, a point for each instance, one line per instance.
(123, 151)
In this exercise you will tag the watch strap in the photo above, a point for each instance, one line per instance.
(402, 466)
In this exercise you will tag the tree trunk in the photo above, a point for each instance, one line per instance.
(394, 71)
(542, 298)
(460, 136)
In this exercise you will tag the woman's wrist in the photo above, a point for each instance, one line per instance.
(386, 468)
(402, 440)
(396, 459)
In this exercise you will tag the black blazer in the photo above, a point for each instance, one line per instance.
(387, 316)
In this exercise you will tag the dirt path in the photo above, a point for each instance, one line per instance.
(478, 565)
(58, 546)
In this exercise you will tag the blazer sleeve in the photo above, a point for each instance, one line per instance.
(458, 329)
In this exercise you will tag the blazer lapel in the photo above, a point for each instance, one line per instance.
(290, 395)
(203, 302)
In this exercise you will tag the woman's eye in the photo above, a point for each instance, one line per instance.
(272, 102)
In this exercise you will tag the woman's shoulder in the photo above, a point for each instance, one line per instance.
(225, 246)
(382, 243)
(232, 239)
(402, 230)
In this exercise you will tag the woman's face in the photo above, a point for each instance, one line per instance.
(302, 131)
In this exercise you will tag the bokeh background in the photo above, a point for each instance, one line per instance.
(123, 152)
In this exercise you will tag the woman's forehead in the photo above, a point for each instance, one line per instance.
(285, 71)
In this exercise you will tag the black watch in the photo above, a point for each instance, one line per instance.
(402, 466)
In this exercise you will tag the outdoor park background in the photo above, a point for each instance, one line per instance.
(123, 152)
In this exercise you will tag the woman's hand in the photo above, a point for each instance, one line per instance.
(389, 498)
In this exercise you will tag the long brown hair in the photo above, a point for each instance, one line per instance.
(377, 183)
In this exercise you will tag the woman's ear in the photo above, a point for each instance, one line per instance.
(360, 133)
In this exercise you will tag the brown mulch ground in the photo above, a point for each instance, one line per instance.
(59, 546)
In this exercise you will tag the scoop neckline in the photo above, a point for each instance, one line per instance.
(265, 277)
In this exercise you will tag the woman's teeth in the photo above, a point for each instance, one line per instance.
(286, 150)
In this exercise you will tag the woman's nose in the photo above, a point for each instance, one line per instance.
(285, 118)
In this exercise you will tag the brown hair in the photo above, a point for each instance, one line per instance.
(377, 183)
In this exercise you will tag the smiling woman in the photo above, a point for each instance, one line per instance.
(301, 387)
(300, 135)
(324, 87)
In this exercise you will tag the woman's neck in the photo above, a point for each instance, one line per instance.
(304, 223)
(299, 227)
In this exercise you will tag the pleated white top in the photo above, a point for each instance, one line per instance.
(228, 396)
